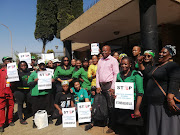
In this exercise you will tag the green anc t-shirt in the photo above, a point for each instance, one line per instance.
(79, 95)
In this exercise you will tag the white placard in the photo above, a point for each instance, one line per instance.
(84, 113)
(25, 57)
(48, 56)
(94, 48)
(69, 117)
(124, 92)
(44, 80)
(50, 70)
(12, 72)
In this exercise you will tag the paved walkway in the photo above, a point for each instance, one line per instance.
(19, 129)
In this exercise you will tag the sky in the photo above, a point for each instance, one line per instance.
(20, 17)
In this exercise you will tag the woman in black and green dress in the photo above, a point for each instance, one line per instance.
(162, 116)
(22, 92)
(122, 118)
(63, 72)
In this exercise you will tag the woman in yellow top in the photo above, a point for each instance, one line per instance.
(92, 70)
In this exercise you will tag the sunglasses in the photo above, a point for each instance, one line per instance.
(147, 56)
(66, 60)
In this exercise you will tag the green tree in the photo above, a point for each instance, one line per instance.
(67, 11)
(50, 51)
(45, 21)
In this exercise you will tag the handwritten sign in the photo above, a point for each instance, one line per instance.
(12, 72)
(69, 117)
(84, 113)
(44, 81)
(124, 92)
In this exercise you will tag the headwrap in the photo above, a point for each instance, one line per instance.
(171, 49)
(150, 52)
(122, 55)
(65, 82)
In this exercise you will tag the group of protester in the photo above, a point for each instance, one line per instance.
(155, 87)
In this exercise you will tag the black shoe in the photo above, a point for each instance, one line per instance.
(50, 121)
(23, 122)
(34, 125)
(87, 127)
(11, 124)
(58, 122)
(1, 129)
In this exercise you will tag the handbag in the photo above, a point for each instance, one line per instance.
(176, 98)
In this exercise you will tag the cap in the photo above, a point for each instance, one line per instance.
(56, 61)
(41, 61)
(33, 57)
(6, 58)
(65, 82)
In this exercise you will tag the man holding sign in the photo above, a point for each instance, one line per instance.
(42, 99)
(6, 96)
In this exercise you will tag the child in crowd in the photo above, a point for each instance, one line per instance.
(63, 99)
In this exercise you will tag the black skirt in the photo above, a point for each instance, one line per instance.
(123, 117)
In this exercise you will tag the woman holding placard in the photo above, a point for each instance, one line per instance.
(22, 93)
(130, 119)
(41, 99)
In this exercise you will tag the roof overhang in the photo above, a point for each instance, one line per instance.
(80, 47)
(111, 19)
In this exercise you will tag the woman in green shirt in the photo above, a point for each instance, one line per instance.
(80, 94)
(83, 73)
(40, 99)
(125, 116)
(63, 72)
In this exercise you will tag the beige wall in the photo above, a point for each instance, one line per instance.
(95, 13)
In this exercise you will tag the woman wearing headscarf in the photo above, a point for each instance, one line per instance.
(162, 87)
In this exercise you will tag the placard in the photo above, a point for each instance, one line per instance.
(84, 113)
(26, 56)
(124, 92)
(44, 80)
(94, 48)
(48, 56)
(50, 70)
(12, 72)
(69, 117)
